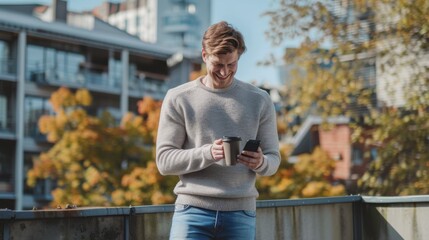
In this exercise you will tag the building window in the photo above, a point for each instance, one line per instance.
(138, 23)
(61, 60)
(6, 62)
(49, 64)
(7, 117)
(357, 156)
(73, 61)
(126, 25)
(7, 153)
(35, 107)
(35, 64)
(116, 73)
(3, 112)
(28, 164)
(373, 153)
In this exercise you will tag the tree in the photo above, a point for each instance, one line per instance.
(310, 176)
(402, 163)
(144, 185)
(324, 81)
(390, 36)
(400, 130)
(93, 161)
(200, 70)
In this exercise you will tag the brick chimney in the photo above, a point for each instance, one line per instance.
(59, 10)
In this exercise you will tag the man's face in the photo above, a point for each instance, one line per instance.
(221, 68)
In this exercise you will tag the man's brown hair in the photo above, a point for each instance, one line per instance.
(223, 38)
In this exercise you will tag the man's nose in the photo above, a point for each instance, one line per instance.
(224, 71)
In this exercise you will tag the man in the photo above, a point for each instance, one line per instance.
(215, 201)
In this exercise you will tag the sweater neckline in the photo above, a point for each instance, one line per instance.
(216, 90)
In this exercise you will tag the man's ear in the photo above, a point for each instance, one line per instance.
(204, 54)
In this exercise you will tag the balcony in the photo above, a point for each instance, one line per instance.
(147, 84)
(7, 68)
(349, 217)
(85, 77)
(179, 22)
(7, 126)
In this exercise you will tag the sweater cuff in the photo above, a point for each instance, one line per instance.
(261, 166)
(207, 152)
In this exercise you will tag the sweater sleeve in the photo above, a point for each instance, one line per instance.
(171, 158)
(267, 133)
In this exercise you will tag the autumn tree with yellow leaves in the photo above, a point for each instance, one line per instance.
(93, 161)
(310, 176)
(342, 40)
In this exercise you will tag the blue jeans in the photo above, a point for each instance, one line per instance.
(198, 223)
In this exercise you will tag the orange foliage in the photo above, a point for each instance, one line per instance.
(318, 164)
(96, 163)
(150, 110)
(83, 97)
(310, 176)
(63, 97)
(197, 73)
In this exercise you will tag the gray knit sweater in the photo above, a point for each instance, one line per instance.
(192, 117)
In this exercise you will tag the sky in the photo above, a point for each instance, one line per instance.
(244, 15)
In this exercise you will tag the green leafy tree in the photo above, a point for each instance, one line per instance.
(402, 163)
(391, 34)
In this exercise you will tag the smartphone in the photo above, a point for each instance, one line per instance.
(252, 145)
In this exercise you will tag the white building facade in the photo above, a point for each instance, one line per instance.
(178, 24)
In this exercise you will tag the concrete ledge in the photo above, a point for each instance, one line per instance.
(331, 218)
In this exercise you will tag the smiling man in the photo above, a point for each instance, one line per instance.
(216, 201)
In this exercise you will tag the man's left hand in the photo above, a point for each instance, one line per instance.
(252, 160)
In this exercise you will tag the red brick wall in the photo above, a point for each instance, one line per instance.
(337, 143)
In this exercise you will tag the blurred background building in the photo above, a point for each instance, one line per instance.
(45, 47)
(178, 24)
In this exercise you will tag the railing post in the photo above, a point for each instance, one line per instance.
(357, 219)
(129, 225)
(6, 234)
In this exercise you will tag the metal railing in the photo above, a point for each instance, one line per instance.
(7, 123)
(82, 78)
(96, 80)
(147, 86)
(349, 217)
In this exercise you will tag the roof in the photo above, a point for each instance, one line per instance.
(34, 26)
(41, 9)
(21, 8)
(302, 140)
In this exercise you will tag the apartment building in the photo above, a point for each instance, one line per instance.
(38, 55)
(178, 24)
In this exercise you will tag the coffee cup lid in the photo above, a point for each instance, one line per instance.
(230, 139)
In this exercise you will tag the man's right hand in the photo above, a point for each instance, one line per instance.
(217, 150)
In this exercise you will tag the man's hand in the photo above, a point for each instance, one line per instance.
(252, 160)
(217, 150)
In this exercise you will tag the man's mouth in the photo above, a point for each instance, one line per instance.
(223, 78)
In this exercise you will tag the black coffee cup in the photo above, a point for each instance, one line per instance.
(231, 148)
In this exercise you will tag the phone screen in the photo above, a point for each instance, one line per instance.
(252, 145)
